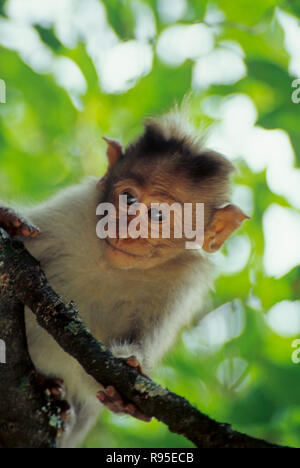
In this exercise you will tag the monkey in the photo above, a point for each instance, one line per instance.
(134, 294)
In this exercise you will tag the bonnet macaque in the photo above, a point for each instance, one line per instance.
(135, 294)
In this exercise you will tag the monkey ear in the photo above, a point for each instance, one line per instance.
(114, 151)
(224, 222)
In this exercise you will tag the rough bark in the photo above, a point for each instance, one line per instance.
(24, 421)
(22, 279)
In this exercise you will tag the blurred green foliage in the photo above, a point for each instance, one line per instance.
(48, 142)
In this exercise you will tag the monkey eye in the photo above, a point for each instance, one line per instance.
(156, 215)
(130, 198)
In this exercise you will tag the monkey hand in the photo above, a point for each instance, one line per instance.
(58, 410)
(114, 401)
(15, 225)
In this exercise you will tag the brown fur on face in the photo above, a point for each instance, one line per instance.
(166, 164)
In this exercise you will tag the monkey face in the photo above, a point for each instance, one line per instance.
(144, 232)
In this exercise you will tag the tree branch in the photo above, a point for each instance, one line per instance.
(22, 277)
(24, 420)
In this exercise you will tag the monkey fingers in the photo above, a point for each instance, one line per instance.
(56, 405)
(52, 388)
(132, 361)
(15, 225)
(115, 403)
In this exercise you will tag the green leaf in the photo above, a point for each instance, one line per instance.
(121, 17)
(2, 7)
(248, 12)
(48, 37)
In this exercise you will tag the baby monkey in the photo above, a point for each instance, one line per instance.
(135, 294)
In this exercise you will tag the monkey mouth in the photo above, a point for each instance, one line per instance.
(122, 251)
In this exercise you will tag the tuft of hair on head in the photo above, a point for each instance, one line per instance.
(172, 138)
(168, 133)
